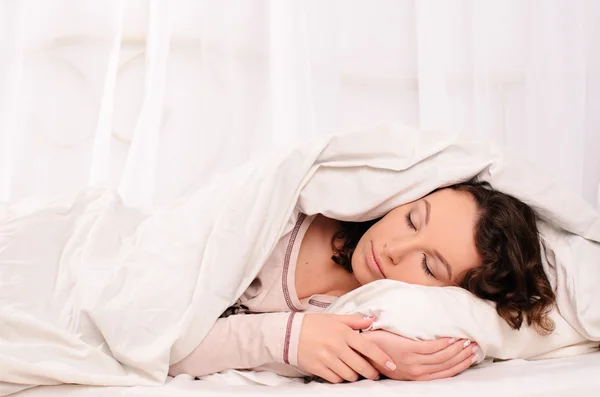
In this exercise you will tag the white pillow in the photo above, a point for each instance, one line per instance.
(426, 313)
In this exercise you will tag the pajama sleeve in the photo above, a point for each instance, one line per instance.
(247, 341)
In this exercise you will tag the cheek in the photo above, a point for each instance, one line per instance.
(411, 274)
(357, 256)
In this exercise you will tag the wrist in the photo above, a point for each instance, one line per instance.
(291, 338)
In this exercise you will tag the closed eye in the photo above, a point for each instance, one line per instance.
(425, 266)
(409, 222)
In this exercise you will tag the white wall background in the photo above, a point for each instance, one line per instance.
(154, 97)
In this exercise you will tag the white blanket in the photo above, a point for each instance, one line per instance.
(93, 292)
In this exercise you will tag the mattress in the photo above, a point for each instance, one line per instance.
(557, 377)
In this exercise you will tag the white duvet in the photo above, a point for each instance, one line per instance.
(93, 292)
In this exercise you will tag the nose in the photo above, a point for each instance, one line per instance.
(397, 250)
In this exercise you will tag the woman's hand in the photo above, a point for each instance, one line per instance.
(330, 347)
(423, 360)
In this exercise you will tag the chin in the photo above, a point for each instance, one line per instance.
(363, 276)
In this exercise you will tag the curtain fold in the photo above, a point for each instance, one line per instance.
(156, 97)
(11, 57)
(137, 184)
(100, 166)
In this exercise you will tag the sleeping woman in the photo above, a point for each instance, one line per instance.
(466, 235)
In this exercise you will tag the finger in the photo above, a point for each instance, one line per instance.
(370, 350)
(455, 370)
(355, 322)
(454, 360)
(329, 375)
(447, 353)
(433, 346)
(359, 364)
(343, 370)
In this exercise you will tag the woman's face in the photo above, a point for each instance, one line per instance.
(430, 241)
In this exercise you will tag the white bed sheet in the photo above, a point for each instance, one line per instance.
(571, 376)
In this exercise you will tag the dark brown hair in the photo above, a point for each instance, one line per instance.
(507, 239)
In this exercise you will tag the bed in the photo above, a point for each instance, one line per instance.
(572, 376)
(113, 307)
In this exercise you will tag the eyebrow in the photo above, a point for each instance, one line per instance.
(439, 256)
(427, 211)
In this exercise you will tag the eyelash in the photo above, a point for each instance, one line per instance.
(410, 223)
(424, 265)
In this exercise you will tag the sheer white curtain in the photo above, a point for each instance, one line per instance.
(156, 97)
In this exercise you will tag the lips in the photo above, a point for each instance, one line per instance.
(374, 262)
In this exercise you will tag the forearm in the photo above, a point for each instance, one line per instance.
(250, 341)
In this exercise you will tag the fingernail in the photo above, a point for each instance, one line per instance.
(391, 366)
(451, 341)
(370, 317)
(467, 343)
(473, 359)
(475, 349)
